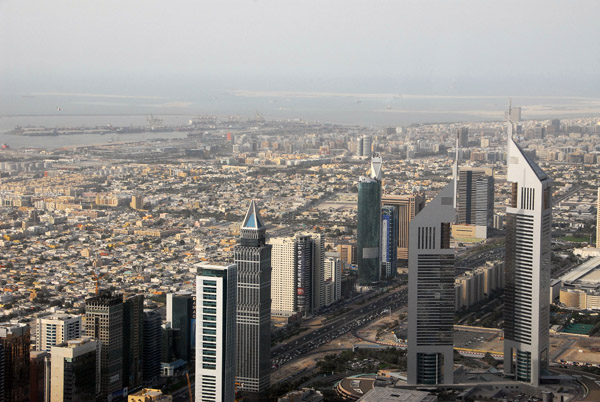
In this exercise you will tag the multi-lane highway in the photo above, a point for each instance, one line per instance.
(349, 321)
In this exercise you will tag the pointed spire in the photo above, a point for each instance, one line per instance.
(252, 219)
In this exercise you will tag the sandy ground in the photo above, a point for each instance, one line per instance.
(584, 350)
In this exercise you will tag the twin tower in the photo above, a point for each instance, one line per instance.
(431, 271)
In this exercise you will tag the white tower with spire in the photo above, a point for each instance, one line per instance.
(527, 266)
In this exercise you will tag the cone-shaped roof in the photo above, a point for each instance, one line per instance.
(252, 219)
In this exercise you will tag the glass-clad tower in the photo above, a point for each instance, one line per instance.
(389, 240)
(216, 293)
(253, 259)
(431, 292)
(527, 267)
(369, 225)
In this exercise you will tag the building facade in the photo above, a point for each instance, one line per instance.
(475, 199)
(216, 294)
(431, 293)
(297, 274)
(180, 308)
(253, 259)
(75, 370)
(15, 342)
(527, 267)
(408, 207)
(369, 225)
(56, 329)
(133, 309)
(389, 241)
(151, 348)
(104, 321)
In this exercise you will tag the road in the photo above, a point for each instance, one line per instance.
(351, 320)
(588, 381)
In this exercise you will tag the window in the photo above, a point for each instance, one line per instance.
(210, 283)
(209, 331)
(209, 310)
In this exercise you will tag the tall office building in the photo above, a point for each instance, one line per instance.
(367, 145)
(347, 253)
(389, 241)
(598, 220)
(180, 308)
(463, 137)
(75, 370)
(133, 309)
(15, 342)
(2, 371)
(310, 254)
(56, 329)
(253, 259)
(297, 274)
(283, 276)
(431, 293)
(38, 370)
(359, 146)
(137, 201)
(216, 294)
(104, 321)
(369, 225)
(332, 288)
(475, 199)
(408, 207)
(151, 350)
(527, 267)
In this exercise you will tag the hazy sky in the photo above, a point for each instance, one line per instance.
(147, 47)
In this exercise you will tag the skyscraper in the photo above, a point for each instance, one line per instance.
(332, 288)
(56, 329)
(104, 321)
(431, 293)
(179, 313)
(297, 274)
(367, 145)
(216, 294)
(15, 341)
(389, 241)
(283, 276)
(475, 199)
(408, 207)
(598, 220)
(253, 259)
(369, 225)
(2, 371)
(527, 266)
(463, 137)
(309, 252)
(75, 370)
(151, 350)
(38, 370)
(133, 309)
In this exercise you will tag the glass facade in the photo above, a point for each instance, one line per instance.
(369, 231)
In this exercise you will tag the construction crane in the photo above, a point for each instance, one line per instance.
(189, 387)
(97, 278)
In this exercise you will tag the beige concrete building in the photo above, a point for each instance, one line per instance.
(149, 395)
(56, 329)
(75, 370)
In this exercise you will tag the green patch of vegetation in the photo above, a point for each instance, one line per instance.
(574, 239)
(389, 358)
